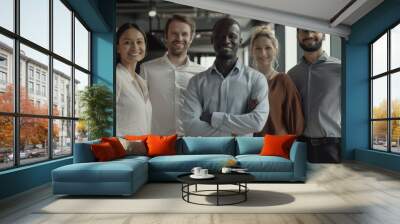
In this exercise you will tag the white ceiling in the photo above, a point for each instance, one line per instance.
(309, 14)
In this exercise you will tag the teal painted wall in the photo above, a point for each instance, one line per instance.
(103, 53)
(356, 85)
(24, 178)
(99, 15)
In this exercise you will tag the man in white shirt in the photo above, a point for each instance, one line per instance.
(167, 77)
(229, 98)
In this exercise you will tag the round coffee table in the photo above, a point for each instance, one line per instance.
(238, 179)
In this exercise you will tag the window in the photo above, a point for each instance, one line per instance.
(30, 72)
(3, 78)
(38, 89)
(3, 61)
(45, 131)
(3, 72)
(37, 75)
(30, 87)
(43, 90)
(385, 94)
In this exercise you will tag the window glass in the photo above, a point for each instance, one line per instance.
(6, 142)
(7, 14)
(379, 100)
(33, 140)
(62, 141)
(379, 135)
(35, 21)
(81, 45)
(39, 62)
(395, 136)
(81, 81)
(62, 29)
(81, 131)
(379, 56)
(395, 47)
(395, 94)
(62, 91)
(6, 74)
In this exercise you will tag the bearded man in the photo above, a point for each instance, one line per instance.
(318, 78)
(168, 76)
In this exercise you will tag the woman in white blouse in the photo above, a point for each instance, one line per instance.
(133, 104)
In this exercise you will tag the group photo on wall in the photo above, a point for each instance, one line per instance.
(195, 72)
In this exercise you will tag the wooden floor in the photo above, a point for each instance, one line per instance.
(377, 188)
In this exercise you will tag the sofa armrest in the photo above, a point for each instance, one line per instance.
(83, 152)
(298, 155)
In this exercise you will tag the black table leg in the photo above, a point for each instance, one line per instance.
(245, 193)
(217, 194)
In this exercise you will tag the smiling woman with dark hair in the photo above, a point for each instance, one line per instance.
(133, 104)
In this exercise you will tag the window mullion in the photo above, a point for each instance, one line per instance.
(16, 84)
(73, 82)
(50, 81)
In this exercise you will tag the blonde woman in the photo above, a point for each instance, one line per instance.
(285, 115)
(133, 104)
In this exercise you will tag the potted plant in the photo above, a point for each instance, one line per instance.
(96, 102)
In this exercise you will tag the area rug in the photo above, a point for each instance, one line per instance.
(167, 198)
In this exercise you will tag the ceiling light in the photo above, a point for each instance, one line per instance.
(152, 12)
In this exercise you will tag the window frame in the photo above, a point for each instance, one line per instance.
(388, 74)
(16, 114)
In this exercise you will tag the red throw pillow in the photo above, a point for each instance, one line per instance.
(277, 145)
(103, 151)
(116, 145)
(161, 145)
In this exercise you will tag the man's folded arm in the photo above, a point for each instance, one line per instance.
(191, 113)
(247, 123)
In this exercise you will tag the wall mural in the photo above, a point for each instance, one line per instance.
(196, 72)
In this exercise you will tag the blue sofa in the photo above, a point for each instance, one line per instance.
(125, 176)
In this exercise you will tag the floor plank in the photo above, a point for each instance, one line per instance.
(376, 189)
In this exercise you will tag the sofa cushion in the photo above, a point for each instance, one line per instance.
(134, 147)
(257, 163)
(103, 151)
(277, 145)
(185, 163)
(116, 145)
(83, 152)
(112, 171)
(208, 145)
(249, 145)
(161, 145)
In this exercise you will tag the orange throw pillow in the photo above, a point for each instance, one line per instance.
(161, 145)
(136, 137)
(277, 145)
(116, 145)
(103, 151)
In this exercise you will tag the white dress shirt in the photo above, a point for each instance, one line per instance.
(226, 98)
(133, 104)
(166, 83)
